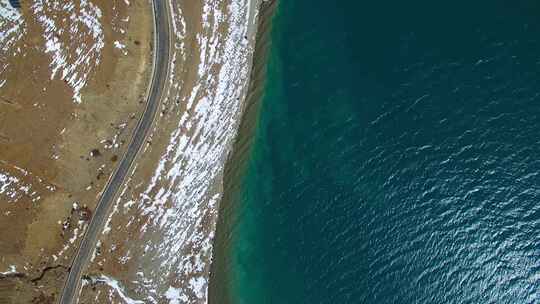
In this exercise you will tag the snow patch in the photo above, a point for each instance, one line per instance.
(74, 42)
(175, 296)
(121, 47)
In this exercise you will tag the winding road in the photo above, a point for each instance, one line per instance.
(162, 28)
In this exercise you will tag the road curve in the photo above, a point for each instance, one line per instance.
(159, 75)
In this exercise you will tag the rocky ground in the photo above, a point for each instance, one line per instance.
(73, 78)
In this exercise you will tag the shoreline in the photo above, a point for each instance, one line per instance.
(238, 158)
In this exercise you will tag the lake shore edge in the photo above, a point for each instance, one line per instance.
(236, 163)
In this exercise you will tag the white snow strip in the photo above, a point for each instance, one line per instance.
(115, 285)
(12, 269)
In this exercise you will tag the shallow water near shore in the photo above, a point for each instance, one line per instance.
(395, 159)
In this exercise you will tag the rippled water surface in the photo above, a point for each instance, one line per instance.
(397, 157)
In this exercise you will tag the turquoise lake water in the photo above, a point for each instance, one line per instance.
(396, 158)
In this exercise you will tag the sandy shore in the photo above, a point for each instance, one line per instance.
(158, 242)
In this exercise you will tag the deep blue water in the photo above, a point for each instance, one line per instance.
(397, 157)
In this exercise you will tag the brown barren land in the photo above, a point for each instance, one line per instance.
(56, 154)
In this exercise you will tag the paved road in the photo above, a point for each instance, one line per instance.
(160, 71)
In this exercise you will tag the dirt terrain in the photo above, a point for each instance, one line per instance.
(73, 80)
